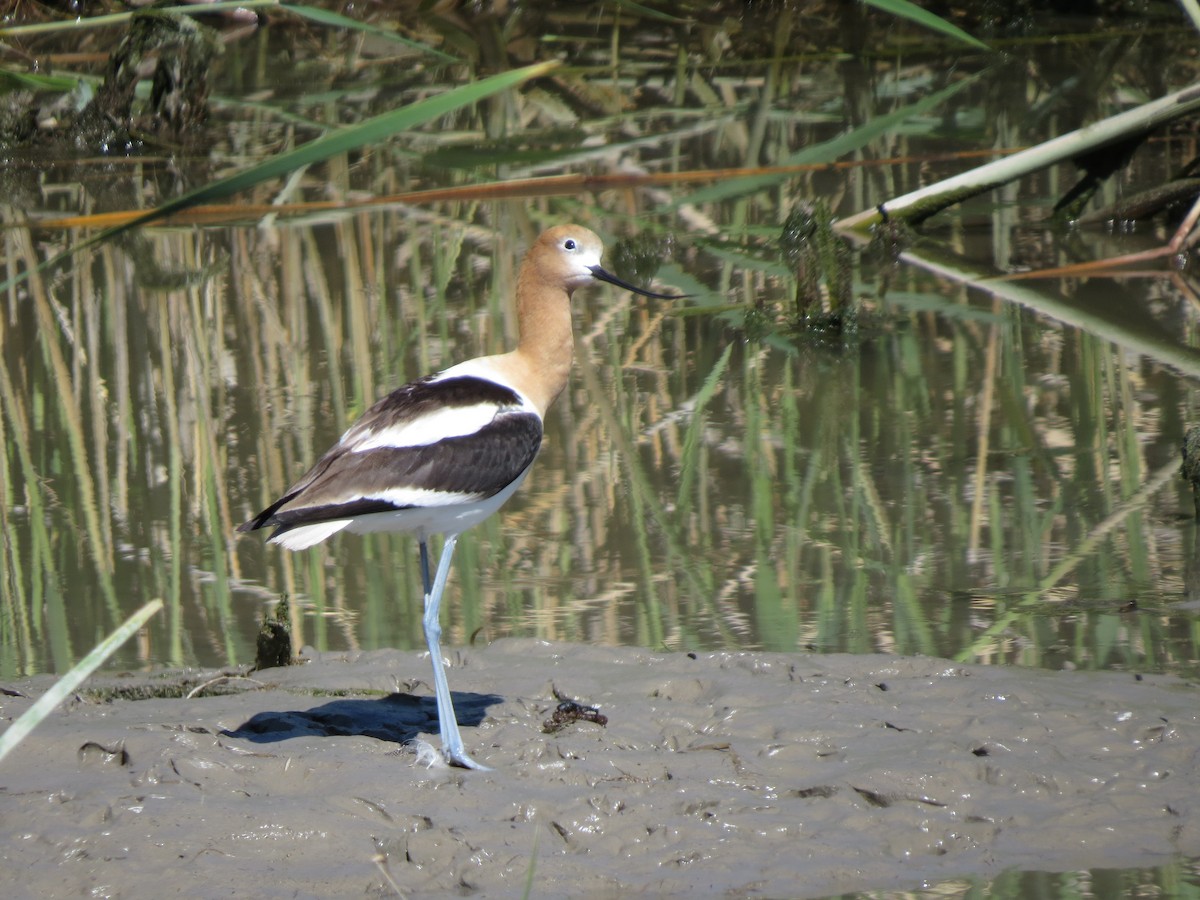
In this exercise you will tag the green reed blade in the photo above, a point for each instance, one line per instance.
(639, 9)
(336, 20)
(93, 22)
(827, 151)
(66, 685)
(926, 19)
(343, 140)
(691, 443)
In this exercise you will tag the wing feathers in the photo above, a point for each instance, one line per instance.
(421, 408)
(435, 442)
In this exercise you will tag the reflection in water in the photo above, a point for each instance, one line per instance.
(943, 474)
(903, 489)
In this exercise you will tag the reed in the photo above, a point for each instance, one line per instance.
(963, 474)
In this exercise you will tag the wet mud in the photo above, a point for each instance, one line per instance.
(708, 773)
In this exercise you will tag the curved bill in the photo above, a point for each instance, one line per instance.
(599, 273)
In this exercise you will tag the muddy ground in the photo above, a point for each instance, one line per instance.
(717, 773)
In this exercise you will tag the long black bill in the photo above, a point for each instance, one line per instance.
(598, 272)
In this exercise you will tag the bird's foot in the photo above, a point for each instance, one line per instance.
(460, 758)
(430, 756)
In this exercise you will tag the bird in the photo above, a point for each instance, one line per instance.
(441, 454)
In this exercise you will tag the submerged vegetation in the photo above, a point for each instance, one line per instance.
(833, 445)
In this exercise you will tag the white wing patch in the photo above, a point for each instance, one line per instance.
(437, 425)
(307, 535)
(304, 536)
(424, 497)
(433, 512)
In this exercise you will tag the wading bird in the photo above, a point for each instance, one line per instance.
(443, 453)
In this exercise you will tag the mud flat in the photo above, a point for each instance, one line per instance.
(738, 773)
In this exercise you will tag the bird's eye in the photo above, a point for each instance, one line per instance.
(569, 244)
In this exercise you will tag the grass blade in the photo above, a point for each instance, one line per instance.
(45, 704)
(691, 442)
(905, 10)
(344, 140)
(648, 12)
(826, 151)
(123, 17)
(337, 20)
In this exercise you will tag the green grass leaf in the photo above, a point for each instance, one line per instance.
(79, 673)
(32, 81)
(313, 14)
(110, 19)
(343, 140)
(648, 12)
(690, 459)
(906, 10)
(336, 20)
(824, 152)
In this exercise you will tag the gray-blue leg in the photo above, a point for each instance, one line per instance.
(452, 743)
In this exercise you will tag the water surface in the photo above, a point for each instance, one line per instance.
(940, 472)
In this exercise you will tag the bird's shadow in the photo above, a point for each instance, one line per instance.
(395, 717)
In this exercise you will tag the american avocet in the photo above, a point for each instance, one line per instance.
(443, 453)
